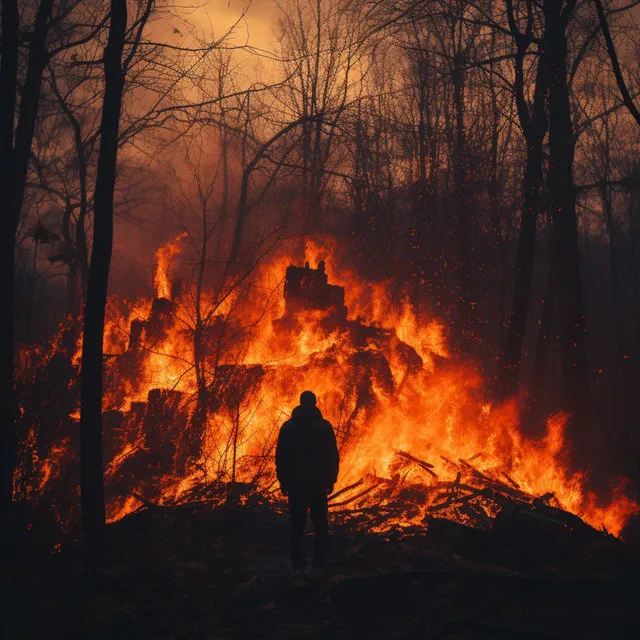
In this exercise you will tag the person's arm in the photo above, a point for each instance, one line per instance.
(333, 457)
(282, 458)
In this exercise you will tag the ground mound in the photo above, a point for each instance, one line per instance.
(198, 571)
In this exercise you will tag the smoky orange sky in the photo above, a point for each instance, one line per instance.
(217, 16)
(211, 19)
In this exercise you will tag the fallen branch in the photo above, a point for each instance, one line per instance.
(358, 496)
(495, 484)
(146, 503)
(339, 493)
(456, 501)
(510, 480)
(425, 466)
(456, 485)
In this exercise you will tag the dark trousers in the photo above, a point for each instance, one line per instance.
(315, 501)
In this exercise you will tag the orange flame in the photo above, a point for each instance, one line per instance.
(384, 378)
(164, 256)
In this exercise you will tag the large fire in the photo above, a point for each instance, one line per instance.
(199, 380)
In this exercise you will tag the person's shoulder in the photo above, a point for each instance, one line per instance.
(327, 424)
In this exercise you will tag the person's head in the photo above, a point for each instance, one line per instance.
(308, 399)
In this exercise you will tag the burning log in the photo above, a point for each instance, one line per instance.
(333, 496)
(496, 485)
(456, 484)
(470, 468)
(425, 466)
(358, 496)
(476, 514)
(510, 480)
(456, 500)
(450, 463)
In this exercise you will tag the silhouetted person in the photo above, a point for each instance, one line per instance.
(307, 467)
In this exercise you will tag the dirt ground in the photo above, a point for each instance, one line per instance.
(196, 571)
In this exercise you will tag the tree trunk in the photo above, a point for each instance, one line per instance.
(92, 487)
(465, 221)
(29, 101)
(419, 250)
(77, 253)
(223, 137)
(199, 417)
(496, 244)
(536, 409)
(562, 198)
(15, 161)
(80, 253)
(8, 82)
(621, 391)
(534, 127)
(635, 291)
(69, 250)
(532, 183)
(243, 207)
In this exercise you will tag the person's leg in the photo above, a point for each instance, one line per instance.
(320, 518)
(298, 516)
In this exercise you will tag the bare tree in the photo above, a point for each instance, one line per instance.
(15, 151)
(115, 69)
(533, 122)
(615, 63)
(92, 485)
(324, 56)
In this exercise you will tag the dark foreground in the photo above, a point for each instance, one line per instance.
(197, 572)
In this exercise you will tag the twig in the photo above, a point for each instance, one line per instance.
(359, 495)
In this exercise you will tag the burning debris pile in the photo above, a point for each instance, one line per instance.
(198, 383)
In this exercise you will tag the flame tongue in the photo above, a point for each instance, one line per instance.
(164, 256)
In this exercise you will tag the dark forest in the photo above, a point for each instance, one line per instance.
(427, 212)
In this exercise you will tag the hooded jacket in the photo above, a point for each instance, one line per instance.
(307, 454)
